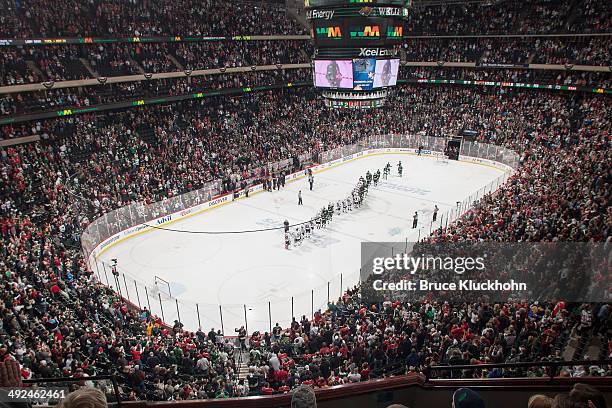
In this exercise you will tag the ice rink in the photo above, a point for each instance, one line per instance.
(242, 272)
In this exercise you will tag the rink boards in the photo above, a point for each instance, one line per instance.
(228, 198)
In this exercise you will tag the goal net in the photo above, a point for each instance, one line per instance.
(161, 289)
(442, 155)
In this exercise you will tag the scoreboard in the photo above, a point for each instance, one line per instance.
(356, 32)
(356, 47)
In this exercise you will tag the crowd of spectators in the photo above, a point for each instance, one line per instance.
(581, 51)
(577, 78)
(209, 54)
(109, 59)
(58, 63)
(67, 62)
(118, 19)
(465, 18)
(545, 16)
(30, 102)
(29, 18)
(14, 69)
(115, 18)
(501, 50)
(58, 320)
(514, 51)
(592, 16)
(511, 17)
(444, 49)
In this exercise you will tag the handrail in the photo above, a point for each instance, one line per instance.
(521, 364)
(395, 368)
(411, 379)
(554, 364)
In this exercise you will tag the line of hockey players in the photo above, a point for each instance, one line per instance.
(386, 172)
(296, 236)
(325, 216)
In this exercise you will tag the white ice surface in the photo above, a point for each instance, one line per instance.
(252, 269)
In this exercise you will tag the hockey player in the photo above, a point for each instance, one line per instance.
(308, 228)
(287, 240)
(297, 238)
(330, 212)
(376, 177)
(338, 207)
(286, 224)
(368, 177)
(343, 205)
(399, 169)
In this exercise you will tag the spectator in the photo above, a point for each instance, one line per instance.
(84, 398)
(539, 401)
(564, 401)
(466, 398)
(303, 397)
(585, 393)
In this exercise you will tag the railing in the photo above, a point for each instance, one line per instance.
(422, 389)
(193, 314)
(553, 367)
